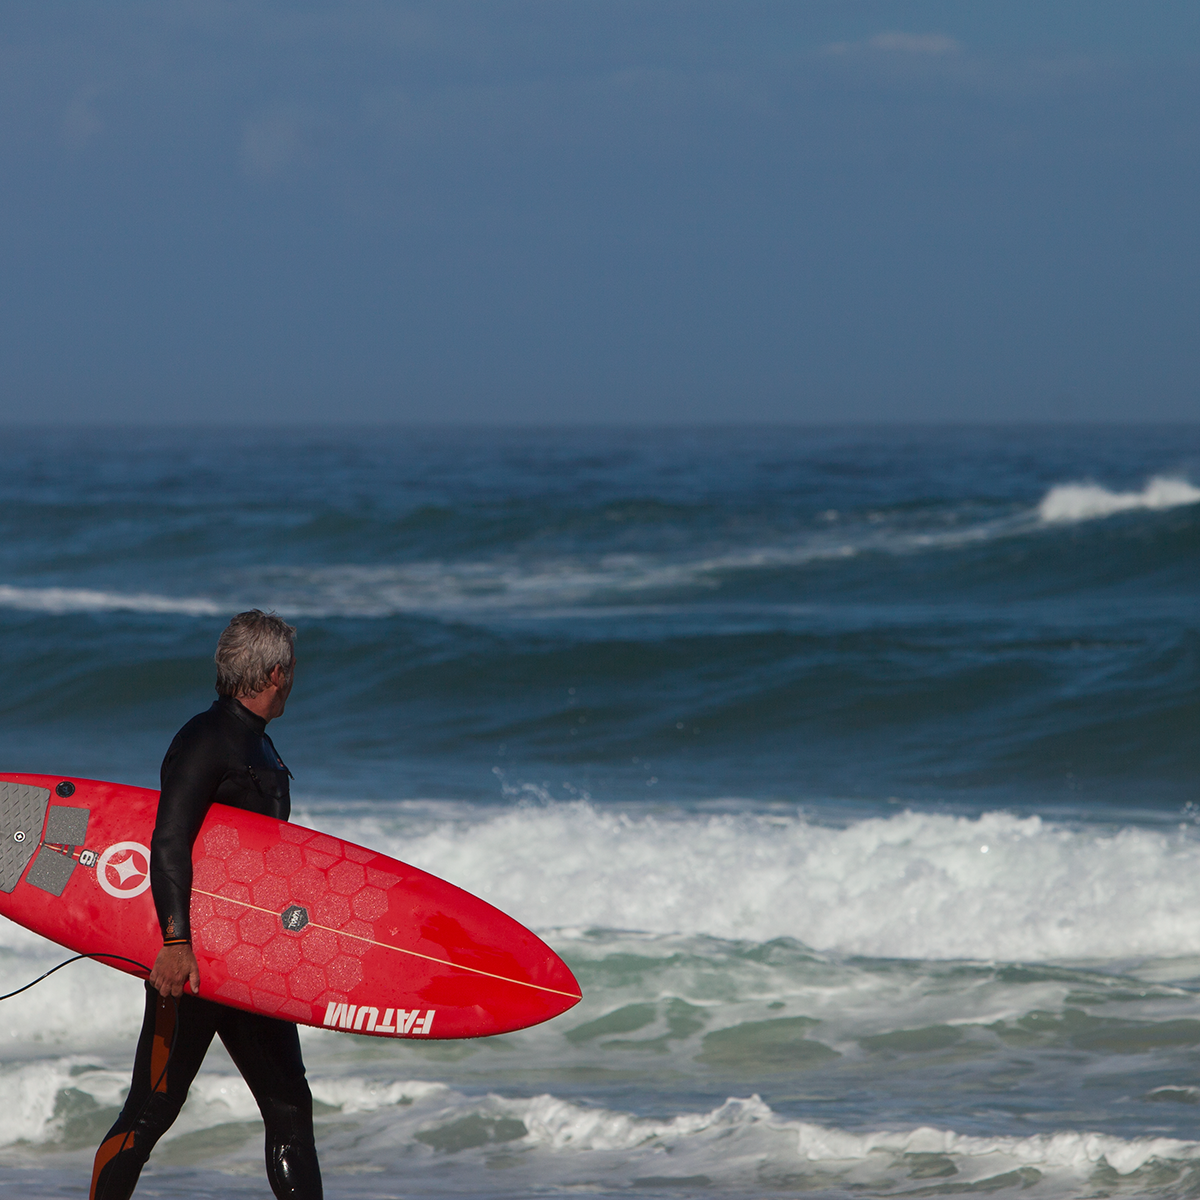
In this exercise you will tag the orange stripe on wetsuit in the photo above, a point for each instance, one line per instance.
(109, 1149)
(164, 1033)
(160, 1057)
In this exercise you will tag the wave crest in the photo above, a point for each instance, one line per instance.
(1071, 502)
(916, 885)
(523, 581)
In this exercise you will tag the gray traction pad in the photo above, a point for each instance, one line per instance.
(66, 826)
(22, 810)
(51, 871)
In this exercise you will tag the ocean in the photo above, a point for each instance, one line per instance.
(854, 771)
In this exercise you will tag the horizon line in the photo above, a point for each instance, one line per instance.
(282, 427)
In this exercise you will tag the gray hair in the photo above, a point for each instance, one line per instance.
(253, 644)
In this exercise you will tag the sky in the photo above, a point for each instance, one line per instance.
(659, 211)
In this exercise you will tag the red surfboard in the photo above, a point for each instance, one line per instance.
(286, 921)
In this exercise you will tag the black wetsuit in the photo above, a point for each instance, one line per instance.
(223, 755)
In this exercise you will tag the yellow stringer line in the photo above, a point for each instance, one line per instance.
(399, 949)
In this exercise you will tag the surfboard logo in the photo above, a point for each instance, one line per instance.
(294, 917)
(123, 870)
(364, 1017)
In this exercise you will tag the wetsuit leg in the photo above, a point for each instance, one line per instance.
(161, 1078)
(267, 1052)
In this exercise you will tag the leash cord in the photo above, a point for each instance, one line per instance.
(97, 955)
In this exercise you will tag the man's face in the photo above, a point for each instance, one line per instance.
(283, 685)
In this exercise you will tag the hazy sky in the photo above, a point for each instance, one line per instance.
(658, 210)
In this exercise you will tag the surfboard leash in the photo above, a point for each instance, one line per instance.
(98, 954)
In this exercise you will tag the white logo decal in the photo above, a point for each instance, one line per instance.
(347, 1016)
(123, 870)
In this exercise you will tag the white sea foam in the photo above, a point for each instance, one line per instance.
(744, 1145)
(355, 1095)
(562, 1126)
(61, 600)
(487, 587)
(29, 1096)
(216, 1098)
(740, 1143)
(84, 1005)
(31, 1093)
(915, 885)
(1076, 1152)
(1069, 502)
(455, 589)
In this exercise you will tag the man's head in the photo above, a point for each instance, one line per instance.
(253, 644)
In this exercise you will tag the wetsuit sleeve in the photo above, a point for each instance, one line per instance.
(191, 773)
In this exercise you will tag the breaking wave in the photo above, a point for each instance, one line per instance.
(1070, 502)
(520, 580)
(916, 885)
(922, 886)
(740, 1144)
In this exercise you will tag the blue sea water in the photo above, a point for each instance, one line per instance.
(854, 771)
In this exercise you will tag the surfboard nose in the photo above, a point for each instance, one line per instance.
(563, 990)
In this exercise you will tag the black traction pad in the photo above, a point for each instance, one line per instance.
(22, 811)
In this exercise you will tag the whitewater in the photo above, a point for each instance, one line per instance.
(724, 947)
(852, 772)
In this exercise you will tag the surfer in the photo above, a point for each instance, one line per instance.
(223, 755)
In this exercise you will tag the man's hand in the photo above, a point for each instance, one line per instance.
(175, 966)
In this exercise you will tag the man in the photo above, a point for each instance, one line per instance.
(223, 755)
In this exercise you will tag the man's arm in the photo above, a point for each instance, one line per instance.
(191, 774)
